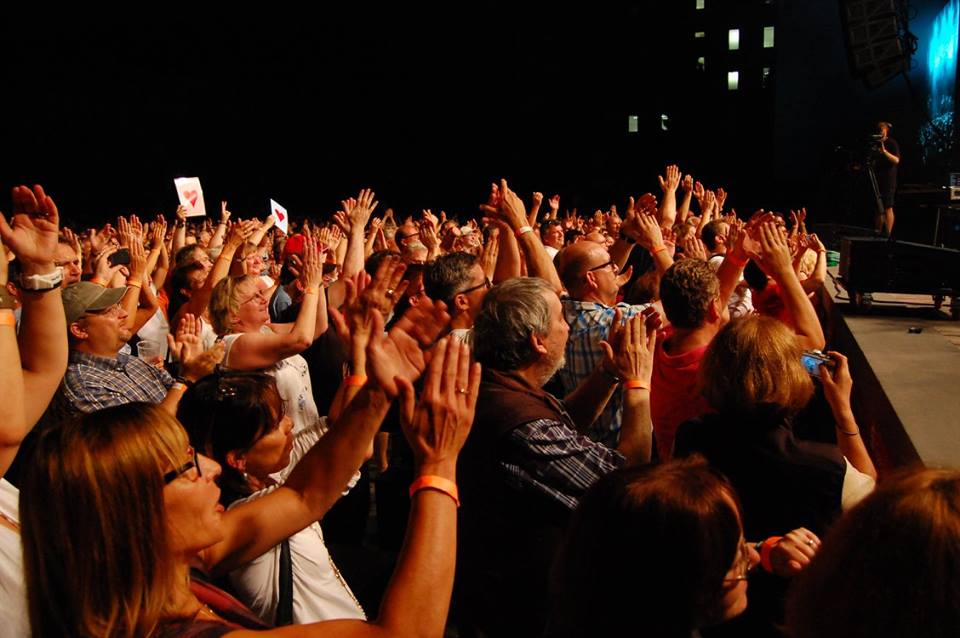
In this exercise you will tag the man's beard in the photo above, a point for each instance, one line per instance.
(551, 366)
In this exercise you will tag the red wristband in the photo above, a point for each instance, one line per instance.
(635, 384)
(658, 249)
(438, 483)
(765, 548)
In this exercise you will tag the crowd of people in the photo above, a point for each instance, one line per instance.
(576, 425)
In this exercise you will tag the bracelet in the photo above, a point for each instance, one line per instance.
(765, 548)
(523, 230)
(310, 290)
(736, 262)
(658, 249)
(178, 386)
(844, 432)
(8, 319)
(134, 284)
(635, 384)
(355, 380)
(185, 381)
(438, 483)
(99, 282)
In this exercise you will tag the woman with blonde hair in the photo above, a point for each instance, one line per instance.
(753, 378)
(132, 508)
(240, 315)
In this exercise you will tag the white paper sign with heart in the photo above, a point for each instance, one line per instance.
(279, 214)
(190, 195)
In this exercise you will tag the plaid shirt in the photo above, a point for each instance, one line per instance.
(589, 325)
(550, 458)
(93, 383)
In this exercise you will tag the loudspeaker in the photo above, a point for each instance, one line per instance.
(880, 265)
(875, 47)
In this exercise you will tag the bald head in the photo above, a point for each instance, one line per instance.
(574, 261)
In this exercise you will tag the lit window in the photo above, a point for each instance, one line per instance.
(733, 80)
(699, 34)
(633, 124)
(700, 4)
(733, 39)
(767, 37)
(701, 63)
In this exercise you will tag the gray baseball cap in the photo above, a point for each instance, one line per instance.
(84, 296)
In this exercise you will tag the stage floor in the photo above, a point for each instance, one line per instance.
(906, 384)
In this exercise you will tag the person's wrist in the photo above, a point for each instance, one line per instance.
(36, 268)
(444, 468)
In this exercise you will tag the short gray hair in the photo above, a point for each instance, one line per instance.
(511, 312)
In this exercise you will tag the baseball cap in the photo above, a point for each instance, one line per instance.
(84, 296)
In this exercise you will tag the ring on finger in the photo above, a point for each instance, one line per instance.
(462, 391)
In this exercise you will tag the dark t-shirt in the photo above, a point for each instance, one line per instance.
(885, 169)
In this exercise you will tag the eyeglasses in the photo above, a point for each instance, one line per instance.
(194, 462)
(112, 311)
(613, 265)
(485, 285)
(260, 294)
(742, 565)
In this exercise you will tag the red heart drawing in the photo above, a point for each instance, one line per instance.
(279, 215)
(191, 197)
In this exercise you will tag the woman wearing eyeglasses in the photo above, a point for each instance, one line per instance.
(652, 551)
(240, 315)
(237, 419)
(659, 551)
(129, 508)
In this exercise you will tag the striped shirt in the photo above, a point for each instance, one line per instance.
(549, 458)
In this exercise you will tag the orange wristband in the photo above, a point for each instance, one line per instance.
(438, 483)
(134, 284)
(8, 319)
(635, 384)
(355, 380)
(99, 282)
(658, 249)
(310, 290)
(765, 548)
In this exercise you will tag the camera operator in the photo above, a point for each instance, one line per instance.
(886, 159)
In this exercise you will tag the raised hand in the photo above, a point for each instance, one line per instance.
(399, 355)
(224, 213)
(721, 196)
(554, 204)
(33, 231)
(774, 250)
(508, 206)
(353, 322)
(491, 251)
(359, 210)
(437, 426)
(693, 248)
(311, 274)
(628, 350)
(671, 180)
(687, 183)
(187, 348)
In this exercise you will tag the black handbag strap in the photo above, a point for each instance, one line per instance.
(285, 604)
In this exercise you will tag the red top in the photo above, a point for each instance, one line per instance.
(674, 395)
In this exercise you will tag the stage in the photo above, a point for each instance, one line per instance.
(906, 393)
